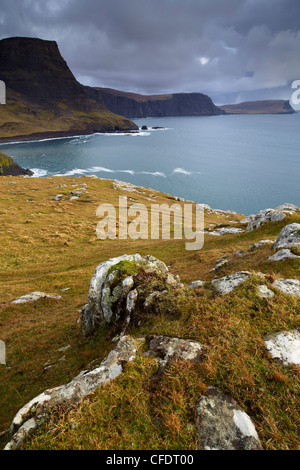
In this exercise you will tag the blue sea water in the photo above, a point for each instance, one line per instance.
(245, 163)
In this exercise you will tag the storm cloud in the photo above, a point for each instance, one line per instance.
(233, 50)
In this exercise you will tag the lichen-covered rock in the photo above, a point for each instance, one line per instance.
(224, 231)
(264, 292)
(196, 284)
(270, 215)
(226, 284)
(33, 296)
(288, 237)
(110, 297)
(220, 263)
(288, 286)
(285, 346)
(260, 243)
(168, 349)
(28, 418)
(223, 425)
(282, 255)
(289, 208)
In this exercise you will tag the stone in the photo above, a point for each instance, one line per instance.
(285, 346)
(282, 255)
(223, 425)
(264, 292)
(33, 296)
(196, 284)
(287, 207)
(226, 284)
(288, 286)
(28, 417)
(168, 349)
(260, 243)
(288, 237)
(57, 197)
(220, 263)
(105, 292)
(224, 231)
(238, 253)
(263, 217)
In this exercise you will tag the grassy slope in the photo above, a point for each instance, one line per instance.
(20, 117)
(136, 96)
(49, 246)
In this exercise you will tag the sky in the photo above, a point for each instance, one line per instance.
(232, 50)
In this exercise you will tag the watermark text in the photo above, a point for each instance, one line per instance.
(137, 222)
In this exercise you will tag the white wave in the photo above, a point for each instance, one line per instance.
(100, 168)
(153, 173)
(182, 171)
(185, 172)
(141, 134)
(76, 171)
(131, 172)
(38, 172)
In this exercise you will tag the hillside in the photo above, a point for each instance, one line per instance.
(43, 98)
(133, 105)
(259, 107)
(185, 345)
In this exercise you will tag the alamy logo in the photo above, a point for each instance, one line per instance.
(2, 353)
(2, 92)
(295, 96)
(138, 223)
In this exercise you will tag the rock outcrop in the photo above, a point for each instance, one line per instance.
(289, 237)
(223, 425)
(288, 286)
(226, 284)
(33, 413)
(115, 289)
(168, 349)
(270, 215)
(285, 346)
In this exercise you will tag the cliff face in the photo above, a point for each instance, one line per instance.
(259, 107)
(9, 167)
(43, 97)
(139, 106)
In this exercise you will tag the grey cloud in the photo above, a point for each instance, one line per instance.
(250, 47)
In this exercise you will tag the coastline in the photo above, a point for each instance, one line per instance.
(44, 136)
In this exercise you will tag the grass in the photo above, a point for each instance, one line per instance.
(20, 117)
(50, 246)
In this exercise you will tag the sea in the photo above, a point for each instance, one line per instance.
(244, 163)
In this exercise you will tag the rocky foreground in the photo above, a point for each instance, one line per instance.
(120, 298)
(193, 352)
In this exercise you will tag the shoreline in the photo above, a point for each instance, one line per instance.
(45, 136)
